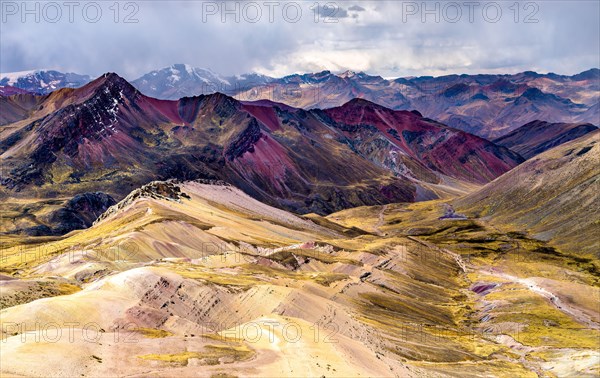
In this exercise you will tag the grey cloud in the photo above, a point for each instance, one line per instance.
(356, 8)
(565, 40)
(331, 10)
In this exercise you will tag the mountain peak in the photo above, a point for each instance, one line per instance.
(220, 97)
(180, 80)
(362, 105)
(182, 66)
(217, 101)
(109, 84)
(360, 102)
(106, 78)
(347, 74)
(111, 79)
(351, 74)
(531, 74)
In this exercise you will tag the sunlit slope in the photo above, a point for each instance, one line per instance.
(190, 220)
(553, 196)
(540, 302)
(191, 272)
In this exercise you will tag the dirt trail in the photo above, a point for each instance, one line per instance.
(380, 221)
(530, 284)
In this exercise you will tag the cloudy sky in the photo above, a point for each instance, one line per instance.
(389, 38)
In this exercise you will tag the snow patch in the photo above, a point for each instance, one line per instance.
(13, 77)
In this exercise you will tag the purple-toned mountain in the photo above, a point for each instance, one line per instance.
(485, 105)
(7, 90)
(538, 136)
(401, 136)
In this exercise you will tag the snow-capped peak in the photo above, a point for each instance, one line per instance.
(43, 80)
(203, 74)
(14, 76)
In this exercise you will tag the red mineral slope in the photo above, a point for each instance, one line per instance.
(443, 149)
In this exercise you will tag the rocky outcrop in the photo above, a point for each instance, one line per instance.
(245, 141)
(165, 190)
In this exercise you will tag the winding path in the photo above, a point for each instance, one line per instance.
(380, 221)
(530, 284)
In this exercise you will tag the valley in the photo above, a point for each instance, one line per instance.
(221, 238)
(183, 275)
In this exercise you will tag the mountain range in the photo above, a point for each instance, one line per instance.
(485, 105)
(108, 137)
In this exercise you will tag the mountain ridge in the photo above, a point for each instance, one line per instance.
(109, 137)
(487, 105)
